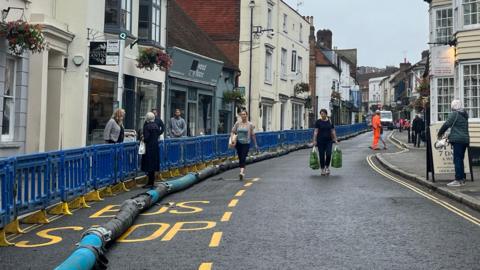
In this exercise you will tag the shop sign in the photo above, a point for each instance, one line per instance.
(443, 157)
(443, 61)
(104, 53)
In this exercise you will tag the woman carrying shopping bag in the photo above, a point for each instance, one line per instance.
(323, 137)
(242, 132)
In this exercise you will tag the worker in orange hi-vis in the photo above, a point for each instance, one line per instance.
(377, 126)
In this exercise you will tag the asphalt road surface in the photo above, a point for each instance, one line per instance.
(284, 216)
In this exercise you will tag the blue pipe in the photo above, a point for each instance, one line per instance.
(182, 183)
(82, 258)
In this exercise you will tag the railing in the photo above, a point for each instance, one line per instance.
(37, 181)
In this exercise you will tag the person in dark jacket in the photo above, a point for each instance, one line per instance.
(151, 158)
(459, 138)
(418, 127)
(324, 136)
(158, 121)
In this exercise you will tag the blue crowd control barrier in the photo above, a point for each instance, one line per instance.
(73, 176)
(191, 151)
(31, 182)
(6, 192)
(103, 165)
(208, 148)
(222, 150)
(163, 156)
(129, 158)
(173, 152)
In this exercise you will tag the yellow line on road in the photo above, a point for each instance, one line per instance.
(216, 237)
(240, 193)
(255, 179)
(233, 203)
(436, 200)
(248, 184)
(206, 266)
(226, 217)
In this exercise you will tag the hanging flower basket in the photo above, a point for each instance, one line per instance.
(234, 96)
(152, 58)
(301, 88)
(23, 36)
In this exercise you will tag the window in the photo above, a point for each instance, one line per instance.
(300, 35)
(444, 25)
(471, 89)
(285, 26)
(471, 12)
(294, 61)
(283, 65)
(299, 66)
(149, 20)
(267, 117)
(269, 17)
(118, 15)
(8, 119)
(268, 65)
(148, 98)
(296, 116)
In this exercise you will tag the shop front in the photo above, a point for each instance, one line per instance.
(191, 88)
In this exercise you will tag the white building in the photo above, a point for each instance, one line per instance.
(63, 99)
(280, 60)
(375, 95)
(327, 79)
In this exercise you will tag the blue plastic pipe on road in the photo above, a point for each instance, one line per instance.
(83, 257)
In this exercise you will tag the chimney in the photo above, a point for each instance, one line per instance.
(324, 38)
(405, 66)
(425, 54)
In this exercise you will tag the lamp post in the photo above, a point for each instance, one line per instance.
(251, 5)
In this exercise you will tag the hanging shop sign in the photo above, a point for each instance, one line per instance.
(443, 61)
(104, 53)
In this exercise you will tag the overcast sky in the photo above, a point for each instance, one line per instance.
(383, 31)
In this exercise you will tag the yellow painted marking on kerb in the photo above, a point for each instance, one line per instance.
(248, 184)
(436, 200)
(233, 203)
(226, 217)
(240, 193)
(216, 237)
(206, 266)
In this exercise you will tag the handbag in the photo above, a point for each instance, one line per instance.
(232, 142)
(314, 161)
(141, 148)
(443, 142)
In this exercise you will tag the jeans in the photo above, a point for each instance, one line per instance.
(242, 152)
(324, 153)
(458, 156)
(417, 140)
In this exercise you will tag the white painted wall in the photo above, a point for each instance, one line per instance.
(324, 79)
(375, 95)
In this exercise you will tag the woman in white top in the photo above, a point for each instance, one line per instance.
(244, 130)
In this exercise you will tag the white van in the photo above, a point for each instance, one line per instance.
(386, 118)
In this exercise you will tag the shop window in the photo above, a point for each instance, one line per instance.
(297, 116)
(205, 110)
(8, 96)
(177, 101)
(149, 21)
(118, 16)
(102, 102)
(267, 117)
(149, 98)
(224, 122)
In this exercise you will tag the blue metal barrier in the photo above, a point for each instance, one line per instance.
(34, 182)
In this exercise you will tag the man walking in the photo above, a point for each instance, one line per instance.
(178, 126)
(377, 127)
(158, 121)
(418, 126)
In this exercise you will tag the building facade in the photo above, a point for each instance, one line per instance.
(375, 95)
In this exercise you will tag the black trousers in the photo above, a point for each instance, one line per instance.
(324, 153)
(242, 152)
(151, 178)
(417, 140)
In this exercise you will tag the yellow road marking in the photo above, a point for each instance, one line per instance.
(436, 200)
(226, 217)
(248, 184)
(233, 203)
(205, 266)
(240, 193)
(255, 179)
(216, 237)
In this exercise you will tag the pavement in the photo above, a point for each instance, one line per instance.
(284, 216)
(411, 164)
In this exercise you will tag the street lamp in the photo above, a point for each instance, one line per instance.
(251, 5)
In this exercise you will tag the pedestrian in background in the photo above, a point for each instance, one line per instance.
(323, 137)
(376, 126)
(177, 126)
(151, 158)
(114, 131)
(418, 127)
(245, 132)
(459, 138)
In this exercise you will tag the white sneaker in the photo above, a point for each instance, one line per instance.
(327, 171)
(323, 172)
(456, 183)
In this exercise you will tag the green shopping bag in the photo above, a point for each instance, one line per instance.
(337, 158)
(314, 160)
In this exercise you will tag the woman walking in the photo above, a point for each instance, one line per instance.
(244, 130)
(323, 137)
(459, 138)
(151, 158)
(114, 131)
